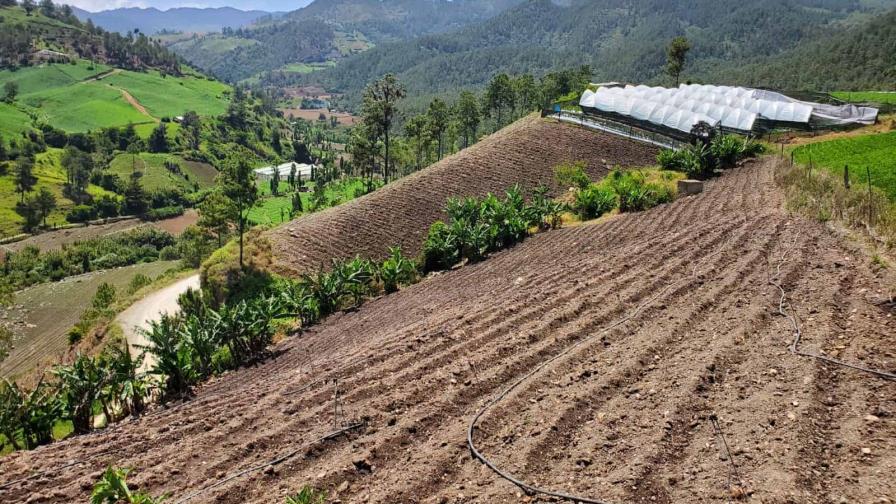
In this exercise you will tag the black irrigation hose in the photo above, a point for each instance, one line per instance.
(271, 463)
(798, 332)
(41, 473)
(532, 489)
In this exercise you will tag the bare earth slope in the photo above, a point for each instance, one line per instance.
(523, 153)
(623, 417)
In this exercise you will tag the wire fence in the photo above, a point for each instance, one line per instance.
(616, 128)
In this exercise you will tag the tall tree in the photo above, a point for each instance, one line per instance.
(24, 176)
(468, 114)
(416, 129)
(238, 185)
(46, 203)
(78, 165)
(191, 130)
(526, 95)
(275, 182)
(214, 215)
(438, 122)
(379, 109)
(676, 55)
(29, 6)
(499, 96)
(158, 139)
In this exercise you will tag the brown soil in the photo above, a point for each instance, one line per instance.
(344, 118)
(624, 417)
(524, 153)
(134, 103)
(177, 225)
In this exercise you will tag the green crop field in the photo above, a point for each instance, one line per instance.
(882, 97)
(83, 107)
(84, 96)
(172, 96)
(156, 176)
(50, 174)
(876, 152)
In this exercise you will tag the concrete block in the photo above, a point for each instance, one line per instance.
(689, 187)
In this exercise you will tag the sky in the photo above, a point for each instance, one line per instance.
(267, 5)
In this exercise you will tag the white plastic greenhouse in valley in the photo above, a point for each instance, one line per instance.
(736, 109)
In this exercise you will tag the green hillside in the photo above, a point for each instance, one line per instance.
(82, 96)
(874, 154)
(329, 29)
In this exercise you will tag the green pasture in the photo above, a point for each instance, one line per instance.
(172, 96)
(156, 176)
(876, 152)
(83, 107)
(12, 121)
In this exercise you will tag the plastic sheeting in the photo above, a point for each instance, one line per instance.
(733, 107)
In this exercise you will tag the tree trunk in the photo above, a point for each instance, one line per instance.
(242, 227)
(386, 138)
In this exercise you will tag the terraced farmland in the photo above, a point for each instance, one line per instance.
(638, 330)
(401, 213)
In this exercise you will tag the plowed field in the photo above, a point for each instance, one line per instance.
(665, 317)
(524, 153)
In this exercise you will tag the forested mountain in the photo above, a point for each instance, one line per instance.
(329, 29)
(620, 39)
(181, 19)
(861, 57)
(52, 32)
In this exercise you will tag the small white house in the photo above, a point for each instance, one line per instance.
(267, 172)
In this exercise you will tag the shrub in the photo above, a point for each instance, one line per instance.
(138, 282)
(594, 201)
(107, 206)
(166, 212)
(675, 160)
(81, 213)
(726, 150)
(572, 175)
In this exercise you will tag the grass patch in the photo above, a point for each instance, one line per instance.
(83, 107)
(12, 121)
(268, 209)
(881, 97)
(172, 96)
(821, 194)
(876, 152)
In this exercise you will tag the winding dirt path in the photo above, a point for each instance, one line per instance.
(141, 314)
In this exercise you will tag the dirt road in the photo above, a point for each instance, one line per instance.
(623, 415)
(142, 313)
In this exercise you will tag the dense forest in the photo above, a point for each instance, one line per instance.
(329, 29)
(624, 39)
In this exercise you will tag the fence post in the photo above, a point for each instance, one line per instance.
(870, 215)
(846, 176)
(791, 159)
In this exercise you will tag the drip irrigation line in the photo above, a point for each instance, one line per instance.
(530, 489)
(793, 319)
(41, 473)
(733, 469)
(271, 463)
